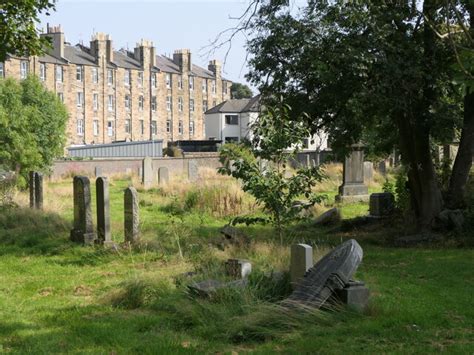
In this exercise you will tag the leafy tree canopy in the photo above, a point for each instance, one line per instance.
(32, 125)
(18, 33)
(240, 91)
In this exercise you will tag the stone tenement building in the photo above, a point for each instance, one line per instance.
(122, 95)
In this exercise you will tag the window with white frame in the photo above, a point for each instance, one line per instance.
(59, 73)
(191, 105)
(24, 66)
(168, 103)
(180, 127)
(95, 75)
(154, 130)
(79, 72)
(42, 73)
(110, 128)
(2, 70)
(95, 127)
(141, 101)
(110, 103)
(128, 127)
(168, 126)
(142, 127)
(180, 104)
(110, 77)
(213, 86)
(231, 119)
(128, 102)
(140, 79)
(61, 96)
(153, 80)
(95, 101)
(153, 103)
(191, 128)
(191, 83)
(180, 81)
(127, 79)
(204, 85)
(80, 126)
(204, 105)
(168, 80)
(79, 99)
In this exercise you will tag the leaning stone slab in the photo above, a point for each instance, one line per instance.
(328, 275)
(301, 260)
(238, 268)
(83, 231)
(331, 216)
(234, 236)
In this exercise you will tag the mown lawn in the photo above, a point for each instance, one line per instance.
(57, 297)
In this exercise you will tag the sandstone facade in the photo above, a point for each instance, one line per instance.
(125, 95)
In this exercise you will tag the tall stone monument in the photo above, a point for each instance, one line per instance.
(104, 235)
(131, 215)
(353, 188)
(39, 191)
(83, 231)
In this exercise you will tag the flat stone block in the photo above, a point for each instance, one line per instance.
(381, 204)
(355, 295)
(353, 190)
(354, 198)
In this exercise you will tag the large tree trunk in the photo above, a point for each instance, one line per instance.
(463, 162)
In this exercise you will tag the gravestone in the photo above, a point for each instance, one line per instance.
(327, 276)
(192, 170)
(98, 171)
(368, 172)
(382, 168)
(131, 215)
(331, 216)
(104, 235)
(301, 260)
(355, 295)
(238, 268)
(163, 175)
(147, 172)
(381, 204)
(39, 191)
(353, 188)
(32, 189)
(83, 231)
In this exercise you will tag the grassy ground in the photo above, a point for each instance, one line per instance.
(57, 297)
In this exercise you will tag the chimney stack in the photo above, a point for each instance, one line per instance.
(182, 57)
(145, 53)
(101, 45)
(57, 40)
(216, 67)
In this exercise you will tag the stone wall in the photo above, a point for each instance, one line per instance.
(176, 166)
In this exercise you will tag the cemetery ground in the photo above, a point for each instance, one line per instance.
(59, 297)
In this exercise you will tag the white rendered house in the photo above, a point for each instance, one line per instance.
(229, 122)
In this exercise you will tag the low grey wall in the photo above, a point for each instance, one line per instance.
(176, 166)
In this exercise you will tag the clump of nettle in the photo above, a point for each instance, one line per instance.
(262, 164)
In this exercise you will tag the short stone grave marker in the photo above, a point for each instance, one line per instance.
(147, 172)
(193, 170)
(301, 260)
(131, 215)
(104, 235)
(83, 231)
(163, 175)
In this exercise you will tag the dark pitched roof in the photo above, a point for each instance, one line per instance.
(237, 106)
(123, 60)
(201, 72)
(76, 55)
(47, 58)
(166, 65)
(253, 105)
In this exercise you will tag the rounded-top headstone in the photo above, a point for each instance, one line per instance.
(329, 274)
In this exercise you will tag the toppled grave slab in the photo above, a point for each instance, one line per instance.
(234, 236)
(331, 216)
(332, 273)
(208, 288)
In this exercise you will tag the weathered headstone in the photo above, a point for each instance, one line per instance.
(382, 168)
(301, 260)
(238, 268)
(103, 211)
(98, 171)
(83, 231)
(329, 217)
(353, 188)
(328, 275)
(131, 215)
(193, 170)
(381, 204)
(32, 189)
(368, 172)
(39, 191)
(163, 175)
(355, 295)
(147, 172)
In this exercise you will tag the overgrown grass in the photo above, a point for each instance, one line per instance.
(58, 297)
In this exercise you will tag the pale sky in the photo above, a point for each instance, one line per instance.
(169, 24)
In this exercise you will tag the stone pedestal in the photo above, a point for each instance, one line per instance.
(353, 188)
(355, 295)
(381, 204)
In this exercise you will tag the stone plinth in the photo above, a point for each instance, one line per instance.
(355, 295)
(353, 188)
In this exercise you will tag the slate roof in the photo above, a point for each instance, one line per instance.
(46, 58)
(165, 64)
(123, 60)
(76, 55)
(204, 73)
(237, 106)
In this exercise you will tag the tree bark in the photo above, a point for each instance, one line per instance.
(463, 162)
